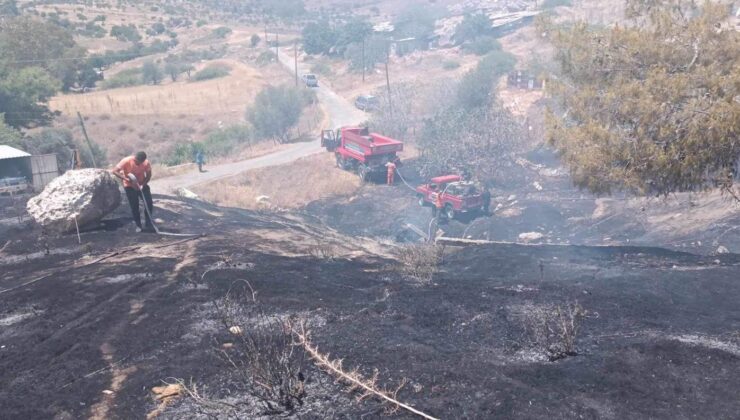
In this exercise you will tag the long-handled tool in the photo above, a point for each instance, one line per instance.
(135, 182)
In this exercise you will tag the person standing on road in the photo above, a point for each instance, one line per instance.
(391, 172)
(135, 172)
(200, 160)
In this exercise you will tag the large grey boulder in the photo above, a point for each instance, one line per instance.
(85, 194)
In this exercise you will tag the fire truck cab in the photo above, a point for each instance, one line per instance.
(455, 195)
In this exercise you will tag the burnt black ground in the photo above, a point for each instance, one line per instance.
(558, 211)
(662, 339)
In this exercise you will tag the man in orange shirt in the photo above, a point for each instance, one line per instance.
(135, 171)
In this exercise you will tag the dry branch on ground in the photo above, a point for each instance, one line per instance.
(367, 387)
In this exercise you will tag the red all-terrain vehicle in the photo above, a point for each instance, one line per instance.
(457, 196)
(357, 149)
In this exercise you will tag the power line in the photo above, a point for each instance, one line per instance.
(91, 56)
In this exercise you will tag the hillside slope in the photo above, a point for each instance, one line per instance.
(104, 322)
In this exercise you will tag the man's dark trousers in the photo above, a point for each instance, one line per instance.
(133, 200)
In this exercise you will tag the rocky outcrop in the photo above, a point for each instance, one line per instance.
(85, 194)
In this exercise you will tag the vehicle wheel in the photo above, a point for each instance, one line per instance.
(363, 173)
(422, 202)
(449, 211)
(340, 163)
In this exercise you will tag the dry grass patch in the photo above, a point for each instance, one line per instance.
(288, 186)
(229, 94)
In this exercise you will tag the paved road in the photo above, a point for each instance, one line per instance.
(340, 113)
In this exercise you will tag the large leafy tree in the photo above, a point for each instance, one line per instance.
(319, 37)
(27, 42)
(476, 87)
(8, 135)
(473, 26)
(23, 96)
(652, 107)
(61, 142)
(151, 72)
(324, 37)
(276, 110)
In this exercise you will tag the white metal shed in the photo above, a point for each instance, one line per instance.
(15, 164)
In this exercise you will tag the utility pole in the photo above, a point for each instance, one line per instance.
(388, 80)
(363, 60)
(295, 60)
(89, 143)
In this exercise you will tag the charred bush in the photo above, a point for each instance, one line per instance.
(263, 355)
(265, 366)
(554, 329)
(323, 251)
(420, 261)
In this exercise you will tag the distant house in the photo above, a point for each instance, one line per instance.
(20, 171)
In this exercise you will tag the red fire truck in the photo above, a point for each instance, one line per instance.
(456, 196)
(357, 149)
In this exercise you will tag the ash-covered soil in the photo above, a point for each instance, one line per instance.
(88, 330)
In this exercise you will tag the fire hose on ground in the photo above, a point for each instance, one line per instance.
(404, 181)
(149, 214)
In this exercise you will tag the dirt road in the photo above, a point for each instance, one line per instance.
(340, 113)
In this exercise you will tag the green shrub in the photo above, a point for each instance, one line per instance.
(266, 57)
(213, 71)
(450, 64)
(498, 62)
(8, 135)
(474, 89)
(183, 153)
(276, 110)
(92, 30)
(151, 73)
(221, 32)
(482, 45)
(125, 78)
(254, 40)
(61, 142)
(125, 33)
(220, 142)
(473, 26)
(156, 29)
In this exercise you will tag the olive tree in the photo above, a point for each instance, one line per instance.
(650, 108)
(276, 110)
